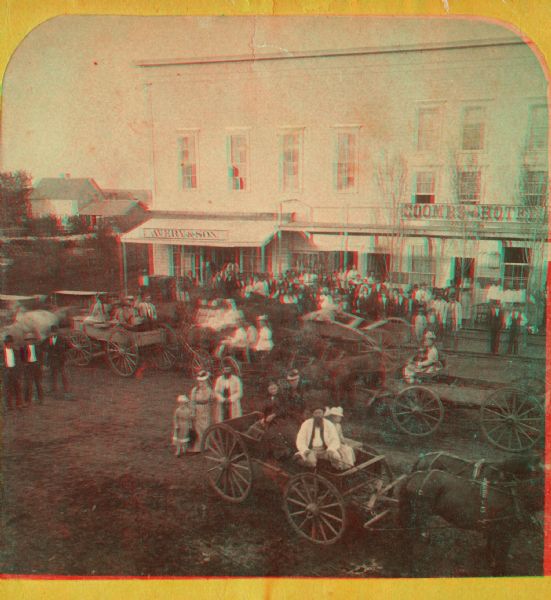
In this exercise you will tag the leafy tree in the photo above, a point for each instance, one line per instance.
(15, 190)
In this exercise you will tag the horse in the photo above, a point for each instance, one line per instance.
(499, 510)
(511, 469)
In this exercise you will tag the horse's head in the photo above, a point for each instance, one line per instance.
(525, 466)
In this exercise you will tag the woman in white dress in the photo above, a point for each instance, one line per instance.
(347, 456)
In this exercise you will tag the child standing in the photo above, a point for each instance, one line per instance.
(183, 425)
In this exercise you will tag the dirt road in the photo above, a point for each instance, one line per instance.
(91, 487)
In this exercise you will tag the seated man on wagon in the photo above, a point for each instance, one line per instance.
(319, 439)
(427, 359)
(99, 312)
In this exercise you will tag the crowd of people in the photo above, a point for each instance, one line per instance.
(293, 425)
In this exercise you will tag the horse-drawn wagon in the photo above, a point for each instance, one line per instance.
(317, 503)
(123, 347)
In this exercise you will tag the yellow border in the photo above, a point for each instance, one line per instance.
(531, 17)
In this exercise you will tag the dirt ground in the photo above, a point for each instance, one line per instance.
(91, 487)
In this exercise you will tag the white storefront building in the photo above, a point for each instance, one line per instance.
(425, 162)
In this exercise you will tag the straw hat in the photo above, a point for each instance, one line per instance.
(182, 399)
(293, 375)
(336, 411)
(202, 375)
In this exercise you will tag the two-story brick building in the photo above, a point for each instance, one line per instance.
(424, 161)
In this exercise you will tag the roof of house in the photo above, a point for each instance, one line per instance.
(109, 208)
(138, 195)
(66, 188)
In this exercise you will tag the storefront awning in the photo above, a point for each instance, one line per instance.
(229, 233)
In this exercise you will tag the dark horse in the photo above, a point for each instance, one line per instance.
(499, 510)
(511, 469)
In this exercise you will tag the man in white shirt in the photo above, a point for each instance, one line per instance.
(228, 391)
(10, 373)
(318, 439)
(31, 356)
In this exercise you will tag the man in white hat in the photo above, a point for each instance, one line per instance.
(31, 357)
(228, 391)
(425, 361)
(318, 439)
(335, 414)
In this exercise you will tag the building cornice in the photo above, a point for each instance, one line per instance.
(293, 55)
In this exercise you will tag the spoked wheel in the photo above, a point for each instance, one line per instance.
(315, 508)
(122, 352)
(80, 349)
(228, 465)
(395, 336)
(166, 353)
(417, 411)
(512, 419)
(200, 361)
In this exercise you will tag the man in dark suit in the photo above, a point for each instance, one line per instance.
(31, 357)
(55, 348)
(496, 324)
(10, 374)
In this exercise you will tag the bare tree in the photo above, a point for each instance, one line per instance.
(391, 176)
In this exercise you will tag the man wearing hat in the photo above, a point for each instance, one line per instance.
(228, 391)
(10, 372)
(201, 407)
(293, 391)
(453, 321)
(55, 349)
(425, 361)
(318, 439)
(31, 357)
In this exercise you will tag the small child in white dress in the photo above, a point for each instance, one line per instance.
(346, 453)
(183, 424)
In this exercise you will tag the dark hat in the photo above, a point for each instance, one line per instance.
(8, 338)
(54, 328)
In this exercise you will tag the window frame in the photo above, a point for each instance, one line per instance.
(230, 166)
(349, 130)
(416, 193)
(471, 201)
(482, 122)
(516, 281)
(542, 194)
(542, 129)
(434, 147)
(283, 133)
(192, 134)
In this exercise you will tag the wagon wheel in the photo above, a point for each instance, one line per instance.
(229, 467)
(166, 353)
(201, 360)
(80, 348)
(417, 411)
(315, 508)
(511, 419)
(122, 352)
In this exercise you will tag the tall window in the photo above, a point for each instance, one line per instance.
(237, 161)
(290, 160)
(517, 268)
(535, 188)
(473, 129)
(424, 187)
(538, 128)
(188, 161)
(346, 164)
(469, 187)
(422, 266)
(428, 129)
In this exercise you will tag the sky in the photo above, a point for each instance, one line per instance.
(73, 97)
